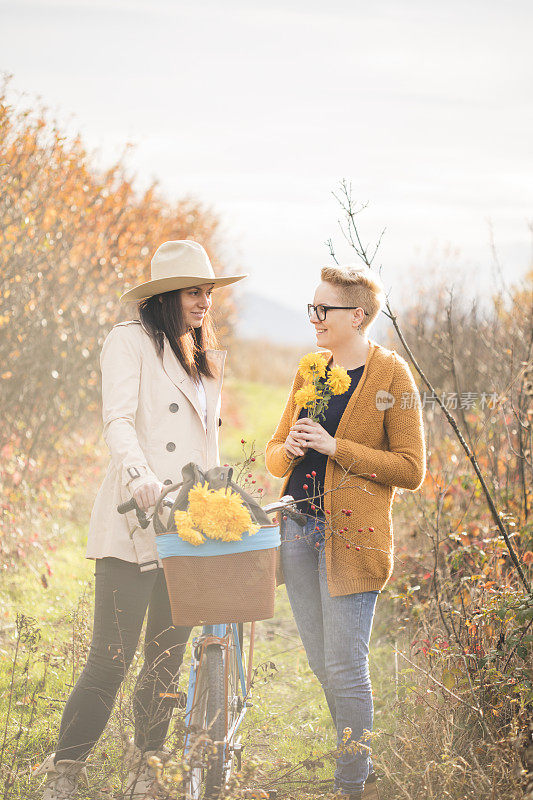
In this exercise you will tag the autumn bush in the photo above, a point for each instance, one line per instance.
(463, 690)
(72, 238)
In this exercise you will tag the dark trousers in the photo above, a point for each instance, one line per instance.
(122, 596)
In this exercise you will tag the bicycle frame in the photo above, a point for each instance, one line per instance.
(218, 650)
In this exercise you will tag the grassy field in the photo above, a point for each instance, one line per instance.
(46, 629)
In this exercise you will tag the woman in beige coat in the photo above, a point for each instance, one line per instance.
(161, 384)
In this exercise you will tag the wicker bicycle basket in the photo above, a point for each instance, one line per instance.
(217, 582)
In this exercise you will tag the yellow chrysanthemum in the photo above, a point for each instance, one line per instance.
(306, 396)
(198, 502)
(313, 365)
(220, 514)
(186, 529)
(338, 380)
(233, 517)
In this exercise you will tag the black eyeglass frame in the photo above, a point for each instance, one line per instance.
(330, 308)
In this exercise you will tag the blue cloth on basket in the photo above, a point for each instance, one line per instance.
(171, 544)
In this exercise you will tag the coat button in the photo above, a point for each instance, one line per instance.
(174, 407)
(171, 447)
(167, 482)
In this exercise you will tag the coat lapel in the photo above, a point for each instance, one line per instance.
(184, 383)
(213, 385)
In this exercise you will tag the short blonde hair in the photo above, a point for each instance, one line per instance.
(358, 286)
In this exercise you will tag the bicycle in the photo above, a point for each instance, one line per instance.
(219, 687)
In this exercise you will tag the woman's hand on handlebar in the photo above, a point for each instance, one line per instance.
(147, 494)
(294, 445)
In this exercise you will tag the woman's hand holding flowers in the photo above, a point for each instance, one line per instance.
(314, 395)
(295, 445)
(310, 433)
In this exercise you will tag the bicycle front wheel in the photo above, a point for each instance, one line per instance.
(207, 773)
(215, 722)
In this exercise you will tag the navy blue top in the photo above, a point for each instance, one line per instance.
(314, 461)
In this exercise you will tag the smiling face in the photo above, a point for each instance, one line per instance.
(340, 324)
(195, 303)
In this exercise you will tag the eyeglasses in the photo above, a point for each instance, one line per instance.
(322, 310)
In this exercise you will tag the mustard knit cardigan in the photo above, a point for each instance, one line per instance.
(380, 446)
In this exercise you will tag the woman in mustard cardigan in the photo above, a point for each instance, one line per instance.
(344, 474)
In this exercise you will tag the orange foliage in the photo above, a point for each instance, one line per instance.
(72, 239)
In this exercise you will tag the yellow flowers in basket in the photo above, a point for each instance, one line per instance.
(315, 394)
(215, 514)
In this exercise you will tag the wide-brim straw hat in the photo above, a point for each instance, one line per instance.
(178, 265)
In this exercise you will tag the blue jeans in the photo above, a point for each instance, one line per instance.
(335, 632)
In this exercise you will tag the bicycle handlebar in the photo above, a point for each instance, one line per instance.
(284, 504)
(131, 505)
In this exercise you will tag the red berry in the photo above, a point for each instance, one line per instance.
(252, 459)
(308, 475)
(371, 530)
(253, 481)
(226, 465)
(360, 530)
(242, 441)
(328, 512)
(373, 475)
(348, 512)
(313, 474)
(305, 486)
(249, 474)
(317, 544)
(313, 508)
(357, 548)
(347, 545)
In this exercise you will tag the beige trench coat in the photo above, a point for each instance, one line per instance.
(153, 426)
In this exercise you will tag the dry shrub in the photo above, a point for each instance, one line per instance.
(72, 238)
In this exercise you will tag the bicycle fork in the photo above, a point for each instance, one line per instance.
(216, 635)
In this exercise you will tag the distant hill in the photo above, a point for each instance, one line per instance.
(259, 317)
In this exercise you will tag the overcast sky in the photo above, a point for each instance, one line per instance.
(259, 109)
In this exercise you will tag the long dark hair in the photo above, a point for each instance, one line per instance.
(189, 344)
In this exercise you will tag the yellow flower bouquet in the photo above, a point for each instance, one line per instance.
(317, 392)
(214, 514)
